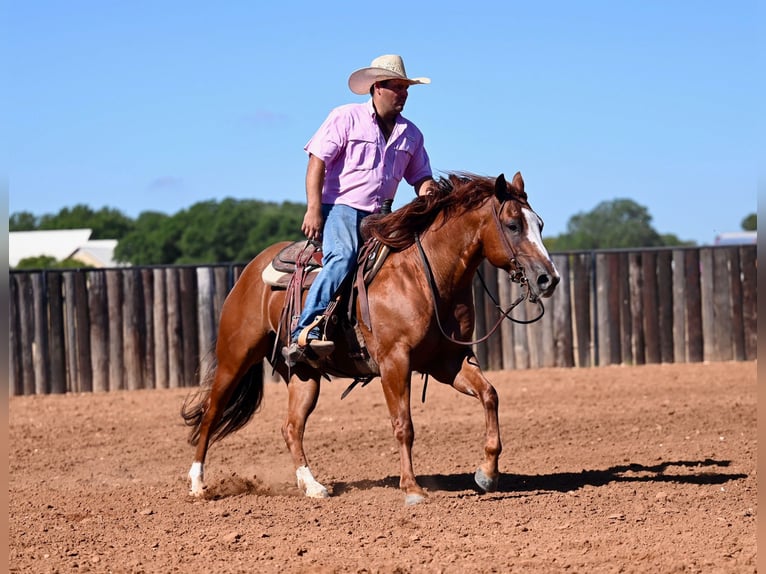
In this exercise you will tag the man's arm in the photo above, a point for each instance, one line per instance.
(313, 220)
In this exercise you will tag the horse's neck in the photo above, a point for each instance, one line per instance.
(454, 254)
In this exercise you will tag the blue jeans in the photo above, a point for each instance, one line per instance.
(340, 244)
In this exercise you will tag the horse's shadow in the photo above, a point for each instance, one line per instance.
(566, 481)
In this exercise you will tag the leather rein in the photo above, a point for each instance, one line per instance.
(516, 275)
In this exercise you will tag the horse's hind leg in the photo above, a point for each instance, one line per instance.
(213, 407)
(302, 395)
(471, 381)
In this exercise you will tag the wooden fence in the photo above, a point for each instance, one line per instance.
(153, 327)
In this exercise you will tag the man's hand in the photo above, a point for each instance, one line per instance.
(425, 186)
(312, 224)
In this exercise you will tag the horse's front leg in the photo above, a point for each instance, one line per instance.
(302, 395)
(396, 388)
(471, 381)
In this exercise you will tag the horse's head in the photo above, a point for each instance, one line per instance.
(515, 244)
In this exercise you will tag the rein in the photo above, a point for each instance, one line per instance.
(517, 275)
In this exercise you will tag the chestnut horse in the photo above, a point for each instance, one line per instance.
(421, 313)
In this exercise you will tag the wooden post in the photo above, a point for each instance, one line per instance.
(116, 355)
(562, 316)
(190, 337)
(581, 283)
(175, 351)
(651, 307)
(132, 324)
(722, 303)
(520, 333)
(480, 327)
(147, 327)
(70, 342)
(40, 346)
(679, 306)
(205, 317)
(626, 315)
(15, 381)
(708, 303)
(82, 331)
(736, 302)
(99, 330)
(494, 345)
(27, 339)
(665, 304)
(749, 266)
(506, 329)
(56, 353)
(222, 287)
(613, 294)
(693, 302)
(544, 339)
(608, 308)
(635, 269)
(160, 322)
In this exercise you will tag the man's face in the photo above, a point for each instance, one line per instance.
(392, 95)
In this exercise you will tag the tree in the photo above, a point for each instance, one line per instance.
(611, 224)
(750, 223)
(153, 241)
(23, 221)
(210, 232)
(106, 223)
(49, 262)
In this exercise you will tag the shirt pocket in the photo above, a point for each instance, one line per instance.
(403, 152)
(361, 155)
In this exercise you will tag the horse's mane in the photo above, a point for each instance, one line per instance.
(454, 193)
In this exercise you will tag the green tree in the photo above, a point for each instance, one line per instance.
(235, 230)
(210, 232)
(106, 223)
(22, 221)
(48, 262)
(750, 223)
(611, 224)
(153, 241)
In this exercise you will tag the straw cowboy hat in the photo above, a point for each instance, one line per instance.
(389, 67)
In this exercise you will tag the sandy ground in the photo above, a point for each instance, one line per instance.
(615, 469)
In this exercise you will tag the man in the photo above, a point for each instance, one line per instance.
(357, 158)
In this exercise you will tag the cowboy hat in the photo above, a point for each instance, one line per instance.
(389, 67)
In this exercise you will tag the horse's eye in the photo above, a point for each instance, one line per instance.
(513, 226)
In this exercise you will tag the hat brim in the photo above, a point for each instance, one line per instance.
(361, 80)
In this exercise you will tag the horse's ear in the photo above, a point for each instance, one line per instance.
(518, 183)
(501, 187)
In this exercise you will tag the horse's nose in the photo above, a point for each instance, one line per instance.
(546, 283)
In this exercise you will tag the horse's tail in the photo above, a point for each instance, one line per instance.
(245, 400)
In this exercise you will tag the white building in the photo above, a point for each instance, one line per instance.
(737, 238)
(61, 244)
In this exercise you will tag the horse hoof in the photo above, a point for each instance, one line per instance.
(484, 482)
(413, 499)
(320, 492)
(308, 485)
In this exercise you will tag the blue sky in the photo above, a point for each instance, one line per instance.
(156, 105)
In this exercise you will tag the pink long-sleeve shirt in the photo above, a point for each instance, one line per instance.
(362, 169)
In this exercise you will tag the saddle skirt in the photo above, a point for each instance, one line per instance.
(294, 269)
(280, 271)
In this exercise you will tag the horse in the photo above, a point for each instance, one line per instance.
(421, 318)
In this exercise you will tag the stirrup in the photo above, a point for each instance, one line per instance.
(305, 348)
(314, 350)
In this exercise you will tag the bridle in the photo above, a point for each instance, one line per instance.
(516, 275)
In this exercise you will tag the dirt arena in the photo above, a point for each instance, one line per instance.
(616, 469)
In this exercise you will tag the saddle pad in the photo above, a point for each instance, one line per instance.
(280, 279)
